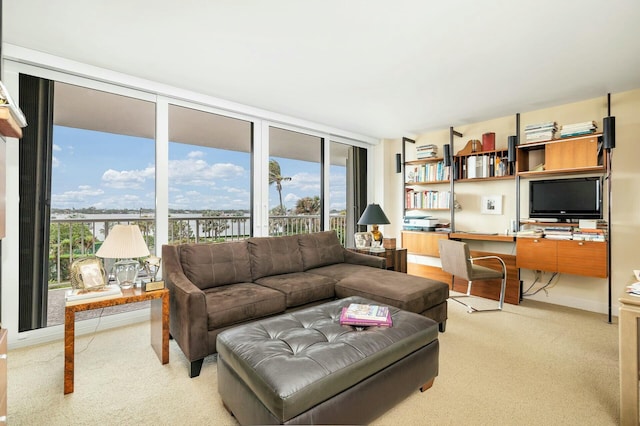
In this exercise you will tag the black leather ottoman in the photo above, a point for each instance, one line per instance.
(305, 368)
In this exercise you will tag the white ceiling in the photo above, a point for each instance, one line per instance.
(375, 67)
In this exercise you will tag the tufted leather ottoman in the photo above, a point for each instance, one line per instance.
(305, 368)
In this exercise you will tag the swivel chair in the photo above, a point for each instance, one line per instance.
(457, 261)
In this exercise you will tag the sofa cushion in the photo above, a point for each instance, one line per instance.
(211, 265)
(274, 256)
(407, 292)
(340, 271)
(241, 302)
(300, 288)
(320, 249)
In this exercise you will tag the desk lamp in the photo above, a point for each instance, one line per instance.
(373, 215)
(124, 242)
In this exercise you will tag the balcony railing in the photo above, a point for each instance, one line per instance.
(74, 238)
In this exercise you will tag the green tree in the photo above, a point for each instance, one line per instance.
(180, 232)
(212, 225)
(68, 241)
(275, 177)
(308, 205)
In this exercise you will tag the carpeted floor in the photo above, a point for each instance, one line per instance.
(531, 364)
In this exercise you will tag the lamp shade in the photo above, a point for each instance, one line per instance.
(123, 242)
(373, 215)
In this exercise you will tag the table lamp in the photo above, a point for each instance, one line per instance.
(373, 215)
(124, 242)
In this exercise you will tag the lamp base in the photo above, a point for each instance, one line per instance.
(375, 232)
(126, 272)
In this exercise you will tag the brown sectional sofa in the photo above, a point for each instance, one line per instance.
(217, 286)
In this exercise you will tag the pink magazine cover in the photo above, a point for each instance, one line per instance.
(367, 312)
(345, 320)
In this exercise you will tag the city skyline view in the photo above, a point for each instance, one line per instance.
(200, 178)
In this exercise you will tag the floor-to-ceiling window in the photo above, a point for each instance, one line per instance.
(340, 190)
(134, 174)
(209, 176)
(295, 182)
(101, 158)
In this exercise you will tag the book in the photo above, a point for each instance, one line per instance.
(78, 296)
(367, 312)
(385, 321)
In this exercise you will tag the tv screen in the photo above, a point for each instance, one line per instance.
(576, 198)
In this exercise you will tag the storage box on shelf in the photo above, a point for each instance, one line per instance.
(579, 154)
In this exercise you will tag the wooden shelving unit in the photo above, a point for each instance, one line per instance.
(8, 126)
(579, 154)
(493, 160)
(422, 177)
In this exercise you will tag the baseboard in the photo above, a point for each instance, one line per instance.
(56, 332)
(600, 307)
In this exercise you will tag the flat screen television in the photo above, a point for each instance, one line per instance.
(565, 199)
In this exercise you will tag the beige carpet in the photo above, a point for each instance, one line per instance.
(531, 364)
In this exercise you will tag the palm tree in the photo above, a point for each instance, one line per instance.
(308, 205)
(275, 176)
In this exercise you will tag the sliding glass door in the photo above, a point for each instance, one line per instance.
(295, 182)
(209, 176)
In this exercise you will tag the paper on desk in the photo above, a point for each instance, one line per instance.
(634, 289)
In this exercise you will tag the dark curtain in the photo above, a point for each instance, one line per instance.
(35, 149)
(360, 185)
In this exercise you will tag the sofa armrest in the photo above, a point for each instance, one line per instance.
(364, 259)
(188, 307)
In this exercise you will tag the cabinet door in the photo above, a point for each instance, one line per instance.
(537, 253)
(572, 154)
(587, 258)
(424, 243)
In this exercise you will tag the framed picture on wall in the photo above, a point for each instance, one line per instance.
(491, 204)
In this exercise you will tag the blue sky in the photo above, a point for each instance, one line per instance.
(108, 171)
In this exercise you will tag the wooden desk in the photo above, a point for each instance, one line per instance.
(159, 325)
(396, 258)
(482, 237)
(491, 288)
(628, 342)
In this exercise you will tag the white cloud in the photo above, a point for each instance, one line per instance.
(56, 147)
(200, 173)
(195, 154)
(54, 161)
(290, 198)
(303, 182)
(127, 179)
(82, 196)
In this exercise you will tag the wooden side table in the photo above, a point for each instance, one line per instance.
(159, 324)
(628, 341)
(396, 258)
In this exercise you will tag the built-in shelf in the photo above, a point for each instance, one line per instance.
(482, 165)
(482, 237)
(8, 126)
(578, 155)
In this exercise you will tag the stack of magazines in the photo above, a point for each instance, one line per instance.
(578, 129)
(540, 131)
(364, 315)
